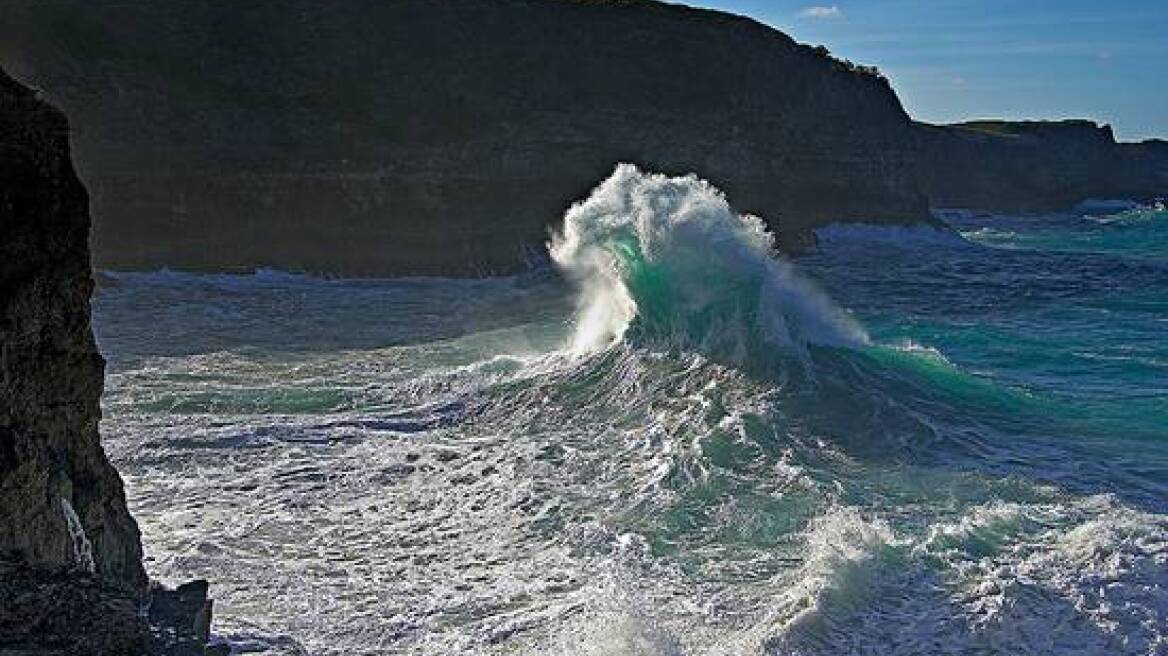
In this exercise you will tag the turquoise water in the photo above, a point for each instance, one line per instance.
(1025, 305)
(668, 442)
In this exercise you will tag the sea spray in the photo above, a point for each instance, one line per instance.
(670, 260)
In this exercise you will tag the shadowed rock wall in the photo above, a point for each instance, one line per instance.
(61, 502)
(424, 137)
(392, 137)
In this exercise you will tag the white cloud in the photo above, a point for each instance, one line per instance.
(819, 11)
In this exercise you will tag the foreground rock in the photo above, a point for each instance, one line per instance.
(46, 612)
(422, 137)
(71, 576)
(61, 502)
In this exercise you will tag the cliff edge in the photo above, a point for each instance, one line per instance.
(422, 137)
(1036, 166)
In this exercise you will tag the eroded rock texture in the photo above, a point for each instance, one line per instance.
(61, 503)
(61, 613)
(71, 576)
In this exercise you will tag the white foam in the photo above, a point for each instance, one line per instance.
(82, 549)
(1084, 577)
(1105, 206)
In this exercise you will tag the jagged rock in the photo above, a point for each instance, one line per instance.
(180, 619)
(55, 613)
(185, 605)
(52, 467)
(45, 612)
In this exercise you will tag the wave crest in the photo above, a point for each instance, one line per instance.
(667, 258)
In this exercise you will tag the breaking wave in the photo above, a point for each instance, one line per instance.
(667, 259)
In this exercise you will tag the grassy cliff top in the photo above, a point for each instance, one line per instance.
(1003, 128)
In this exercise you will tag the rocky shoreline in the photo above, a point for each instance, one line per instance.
(46, 612)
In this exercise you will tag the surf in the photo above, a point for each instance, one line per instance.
(696, 444)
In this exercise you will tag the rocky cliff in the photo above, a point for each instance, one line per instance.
(61, 502)
(1036, 166)
(423, 137)
(71, 576)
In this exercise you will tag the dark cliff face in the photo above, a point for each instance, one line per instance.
(1146, 164)
(1035, 166)
(421, 137)
(54, 476)
(71, 576)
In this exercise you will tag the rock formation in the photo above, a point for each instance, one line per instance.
(71, 576)
(1036, 166)
(421, 137)
(61, 502)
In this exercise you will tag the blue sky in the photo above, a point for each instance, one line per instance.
(951, 60)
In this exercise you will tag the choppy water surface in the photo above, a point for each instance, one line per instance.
(911, 442)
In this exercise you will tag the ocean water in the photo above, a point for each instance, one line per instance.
(913, 441)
